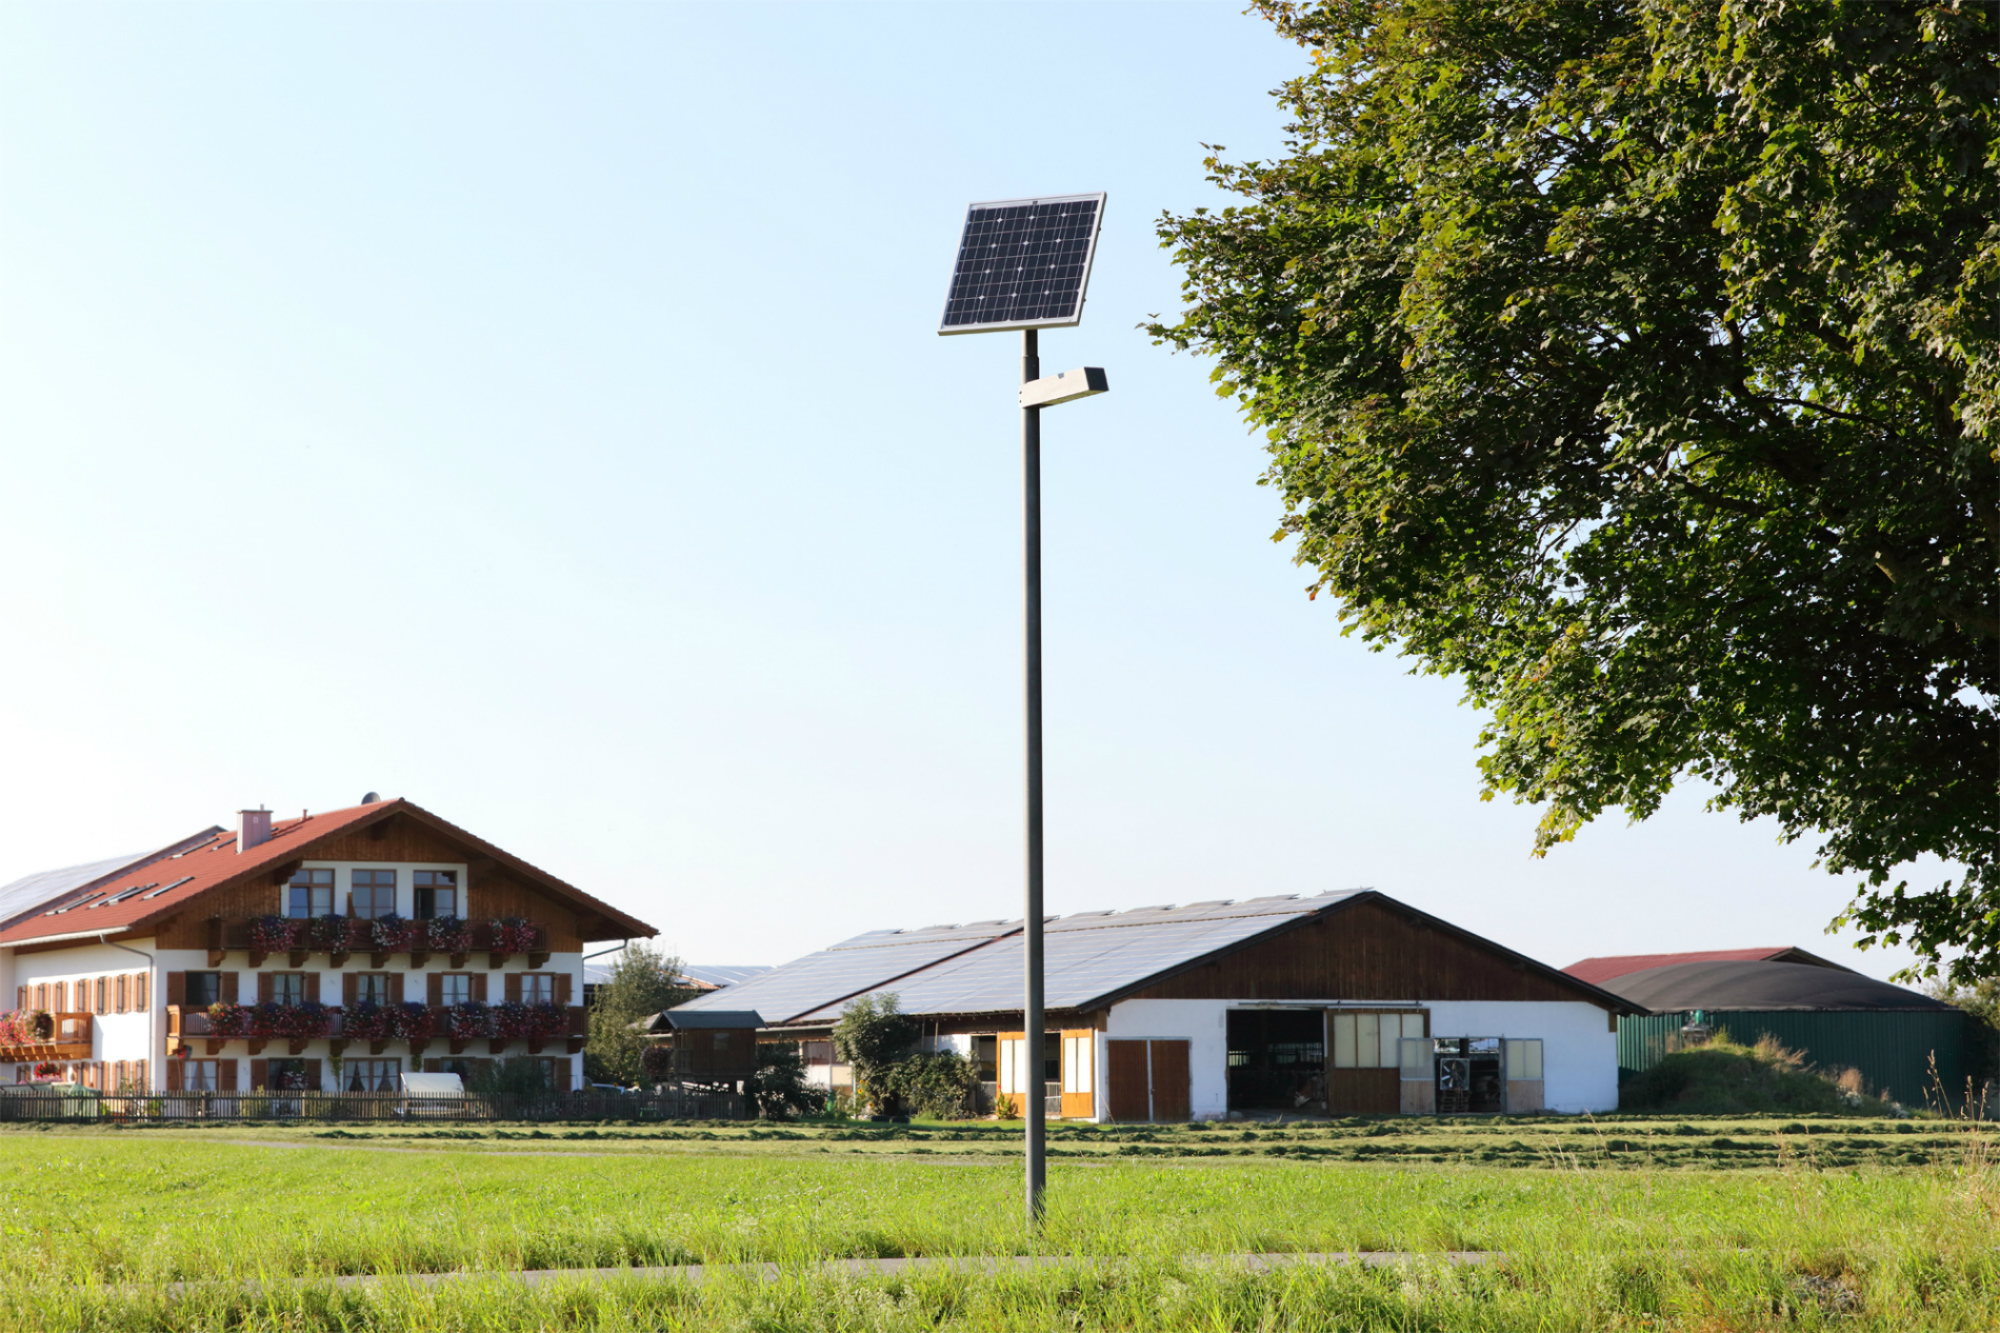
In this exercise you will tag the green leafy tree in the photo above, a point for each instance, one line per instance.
(943, 1085)
(874, 1035)
(643, 982)
(1634, 361)
(779, 1089)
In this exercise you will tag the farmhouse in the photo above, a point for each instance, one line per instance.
(1342, 1004)
(1904, 1045)
(333, 951)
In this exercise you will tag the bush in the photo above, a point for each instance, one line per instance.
(780, 1091)
(1723, 1077)
(940, 1084)
(873, 1035)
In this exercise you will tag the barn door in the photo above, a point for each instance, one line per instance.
(1079, 1074)
(1148, 1080)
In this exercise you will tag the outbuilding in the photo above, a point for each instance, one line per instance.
(1348, 1003)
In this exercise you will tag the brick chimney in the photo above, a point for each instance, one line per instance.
(254, 831)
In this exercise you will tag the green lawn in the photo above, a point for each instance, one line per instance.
(1663, 1223)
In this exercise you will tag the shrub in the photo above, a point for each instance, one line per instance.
(779, 1089)
(941, 1084)
(873, 1035)
(1724, 1077)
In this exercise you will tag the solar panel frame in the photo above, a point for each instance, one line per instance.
(1072, 317)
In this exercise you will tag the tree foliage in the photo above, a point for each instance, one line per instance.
(942, 1085)
(874, 1035)
(1634, 361)
(779, 1089)
(643, 982)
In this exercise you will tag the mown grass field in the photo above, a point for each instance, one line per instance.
(1636, 1223)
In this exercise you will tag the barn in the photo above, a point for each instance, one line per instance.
(1905, 1045)
(1347, 1003)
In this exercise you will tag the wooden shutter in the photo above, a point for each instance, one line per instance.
(562, 1075)
(511, 986)
(174, 1075)
(562, 988)
(312, 988)
(42, 995)
(225, 1075)
(177, 988)
(396, 987)
(142, 1074)
(21, 997)
(142, 983)
(435, 992)
(228, 989)
(479, 987)
(121, 996)
(312, 1076)
(103, 1005)
(265, 987)
(260, 1073)
(61, 994)
(350, 986)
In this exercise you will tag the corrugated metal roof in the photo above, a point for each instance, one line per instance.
(849, 968)
(1597, 971)
(1762, 986)
(1089, 955)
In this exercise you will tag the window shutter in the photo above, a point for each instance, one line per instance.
(562, 988)
(260, 1073)
(118, 996)
(312, 988)
(396, 988)
(435, 994)
(479, 987)
(21, 998)
(264, 990)
(312, 1075)
(141, 983)
(42, 995)
(350, 985)
(142, 1074)
(177, 988)
(229, 988)
(103, 985)
(511, 986)
(562, 1075)
(174, 1075)
(61, 994)
(225, 1075)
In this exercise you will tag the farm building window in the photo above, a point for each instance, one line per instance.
(437, 894)
(538, 988)
(374, 893)
(455, 988)
(1364, 1040)
(371, 1075)
(288, 987)
(204, 989)
(310, 893)
(1524, 1059)
(288, 1076)
(199, 1076)
(371, 988)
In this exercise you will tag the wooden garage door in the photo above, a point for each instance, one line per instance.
(1149, 1080)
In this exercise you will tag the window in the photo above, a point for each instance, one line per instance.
(204, 989)
(374, 893)
(538, 988)
(287, 1076)
(1524, 1059)
(371, 1076)
(437, 893)
(199, 1075)
(310, 893)
(371, 988)
(288, 987)
(1370, 1040)
(456, 988)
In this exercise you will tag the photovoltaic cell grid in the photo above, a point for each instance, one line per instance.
(1023, 263)
(831, 975)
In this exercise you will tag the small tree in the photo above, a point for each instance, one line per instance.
(643, 982)
(780, 1091)
(874, 1035)
(943, 1085)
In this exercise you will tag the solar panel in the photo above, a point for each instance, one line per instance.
(1023, 264)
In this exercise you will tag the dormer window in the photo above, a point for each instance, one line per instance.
(374, 893)
(437, 894)
(310, 893)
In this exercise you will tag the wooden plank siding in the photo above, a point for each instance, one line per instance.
(1368, 951)
(491, 890)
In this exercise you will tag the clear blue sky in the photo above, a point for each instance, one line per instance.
(536, 411)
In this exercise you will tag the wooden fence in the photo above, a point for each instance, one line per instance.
(167, 1108)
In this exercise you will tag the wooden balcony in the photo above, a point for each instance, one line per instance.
(68, 1039)
(187, 1024)
(232, 934)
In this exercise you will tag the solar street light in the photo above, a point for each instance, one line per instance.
(1024, 264)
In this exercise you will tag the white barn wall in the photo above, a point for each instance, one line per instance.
(1579, 1051)
(1202, 1023)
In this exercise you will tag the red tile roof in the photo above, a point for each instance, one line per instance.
(140, 899)
(1597, 971)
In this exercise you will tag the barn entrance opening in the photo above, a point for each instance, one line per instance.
(1277, 1060)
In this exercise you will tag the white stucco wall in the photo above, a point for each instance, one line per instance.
(1579, 1050)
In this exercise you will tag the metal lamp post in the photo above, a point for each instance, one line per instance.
(1023, 264)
